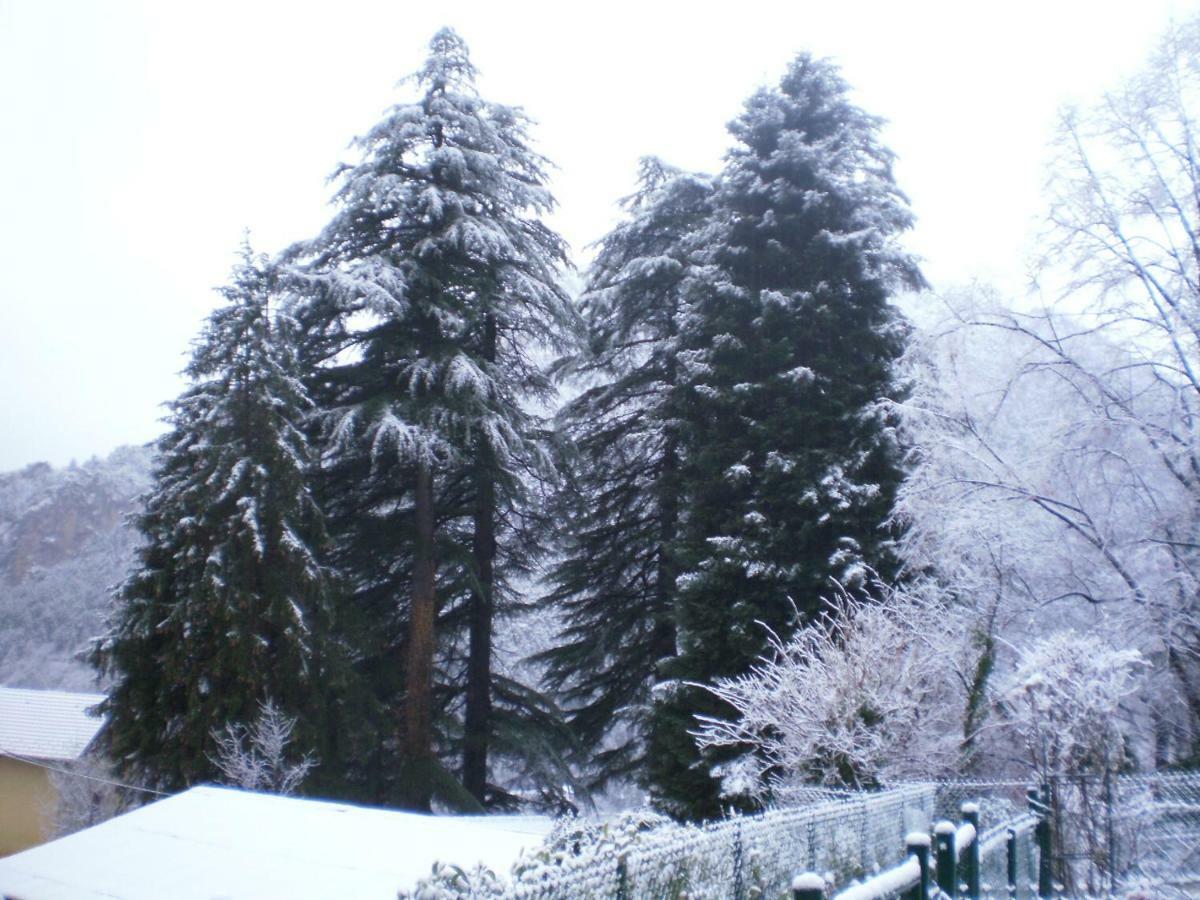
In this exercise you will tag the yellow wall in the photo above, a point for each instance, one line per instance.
(27, 801)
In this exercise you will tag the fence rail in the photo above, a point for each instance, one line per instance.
(956, 868)
(992, 839)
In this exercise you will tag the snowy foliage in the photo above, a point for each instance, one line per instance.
(739, 438)
(1055, 448)
(619, 510)
(256, 757)
(230, 602)
(427, 304)
(645, 855)
(861, 696)
(64, 541)
(789, 346)
(1046, 490)
(438, 230)
(1064, 702)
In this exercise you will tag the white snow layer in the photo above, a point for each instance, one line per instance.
(51, 725)
(222, 844)
(885, 884)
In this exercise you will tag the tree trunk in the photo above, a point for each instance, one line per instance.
(417, 737)
(477, 722)
(666, 597)
(479, 654)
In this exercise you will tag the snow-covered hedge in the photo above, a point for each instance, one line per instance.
(644, 855)
(849, 840)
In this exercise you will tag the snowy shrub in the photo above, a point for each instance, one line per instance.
(1064, 701)
(578, 852)
(256, 757)
(452, 882)
(854, 699)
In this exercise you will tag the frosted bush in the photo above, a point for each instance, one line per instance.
(1065, 698)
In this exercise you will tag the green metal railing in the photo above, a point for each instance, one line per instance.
(1009, 860)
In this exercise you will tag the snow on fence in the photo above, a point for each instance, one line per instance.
(958, 861)
(739, 857)
(1073, 836)
(1083, 835)
(1125, 830)
(1167, 816)
(1008, 858)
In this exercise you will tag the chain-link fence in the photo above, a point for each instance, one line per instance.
(1110, 831)
(1101, 835)
(1008, 859)
(739, 858)
(748, 856)
(983, 845)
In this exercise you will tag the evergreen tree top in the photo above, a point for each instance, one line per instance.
(241, 327)
(444, 210)
(633, 299)
(448, 66)
(438, 238)
(812, 98)
(811, 175)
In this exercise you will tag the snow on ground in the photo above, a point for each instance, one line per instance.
(221, 844)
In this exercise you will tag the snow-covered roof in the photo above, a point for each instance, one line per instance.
(46, 724)
(210, 842)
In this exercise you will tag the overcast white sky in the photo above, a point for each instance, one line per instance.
(138, 140)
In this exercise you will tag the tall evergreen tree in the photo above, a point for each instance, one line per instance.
(614, 584)
(431, 287)
(792, 462)
(231, 606)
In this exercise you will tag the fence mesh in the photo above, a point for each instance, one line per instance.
(1126, 829)
(1108, 834)
(995, 879)
(743, 857)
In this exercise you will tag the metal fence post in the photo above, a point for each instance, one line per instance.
(862, 838)
(1046, 846)
(970, 814)
(1034, 801)
(622, 878)
(1039, 805)
(917, 844)
(1011, 852)
(947, 858)
(739, 878)
(809, 886)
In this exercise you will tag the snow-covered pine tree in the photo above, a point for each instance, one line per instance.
(231, 606)
(431, 288)
(614, 583)
(791, 463)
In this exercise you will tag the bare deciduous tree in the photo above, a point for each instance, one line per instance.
(1057, 477)
(255, 756)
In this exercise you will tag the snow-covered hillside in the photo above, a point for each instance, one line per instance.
(64, 543)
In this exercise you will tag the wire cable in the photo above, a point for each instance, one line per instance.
(61, 771)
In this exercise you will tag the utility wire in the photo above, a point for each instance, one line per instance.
(61, 771)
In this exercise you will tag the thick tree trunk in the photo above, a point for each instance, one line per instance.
(477, 722)
(417, 731)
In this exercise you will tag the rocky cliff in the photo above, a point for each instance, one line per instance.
(64, 543)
